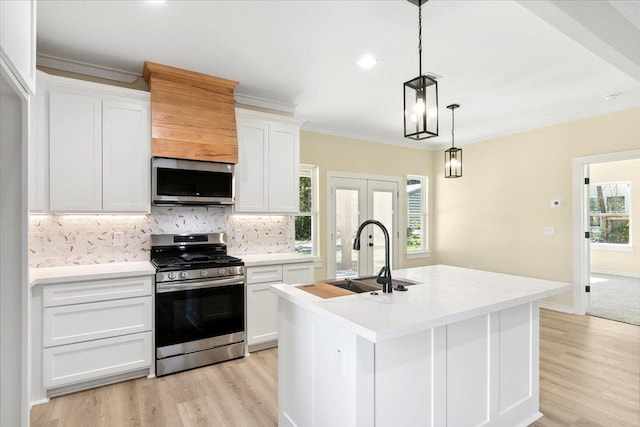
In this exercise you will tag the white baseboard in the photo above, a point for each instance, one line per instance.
(557, 307)
(615, 273)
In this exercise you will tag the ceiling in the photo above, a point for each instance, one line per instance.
(511, 65)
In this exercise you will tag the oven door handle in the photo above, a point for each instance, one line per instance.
(176, 287)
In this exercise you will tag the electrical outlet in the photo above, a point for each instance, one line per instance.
(237, 234)
(118, 238)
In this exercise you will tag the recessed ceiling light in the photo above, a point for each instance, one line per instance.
(367, 61)
(612, 96)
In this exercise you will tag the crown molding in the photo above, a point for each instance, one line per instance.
(80, 67)
(269, 104)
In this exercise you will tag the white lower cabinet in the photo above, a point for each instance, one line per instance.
(84, 322)
(262, 314)
(262, 303)
(90, 360)
(94, 331)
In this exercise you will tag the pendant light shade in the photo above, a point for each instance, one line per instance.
(453, 156)
(421, 108)
(420, 96)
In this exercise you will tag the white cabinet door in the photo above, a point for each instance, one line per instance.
(284, 163)
(252, 185)
(74, 363)
(262, 314)
(299, 273)
(69, 324)
(18, 40)
(39, 151)
(125, 156)
(268, 162)
(75, 145)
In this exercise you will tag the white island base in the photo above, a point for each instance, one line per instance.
(337, 370)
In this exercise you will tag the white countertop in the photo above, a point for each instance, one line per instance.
(267, 259)
(75, 273)
(445, 295)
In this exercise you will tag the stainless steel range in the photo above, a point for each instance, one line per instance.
(200, 301)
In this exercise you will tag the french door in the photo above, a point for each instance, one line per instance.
(352, 200)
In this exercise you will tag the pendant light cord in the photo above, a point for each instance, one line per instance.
(453, 125)
(420, 40)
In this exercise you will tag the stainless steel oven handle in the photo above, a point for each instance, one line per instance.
(185, 286)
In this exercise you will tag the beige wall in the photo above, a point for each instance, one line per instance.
(620, 261)
(334, 153)
(494, 216)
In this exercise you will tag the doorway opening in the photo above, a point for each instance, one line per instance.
(614, 224)
(606, 242)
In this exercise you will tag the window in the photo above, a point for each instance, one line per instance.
(417, 214)
(609, 213)
(306, 223)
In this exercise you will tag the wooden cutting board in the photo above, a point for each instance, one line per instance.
(324, 290)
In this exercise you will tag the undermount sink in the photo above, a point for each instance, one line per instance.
(366, 284)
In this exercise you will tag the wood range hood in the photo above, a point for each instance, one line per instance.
(192, 115)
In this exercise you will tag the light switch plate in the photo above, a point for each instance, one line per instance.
(549, 230)
(557, 203)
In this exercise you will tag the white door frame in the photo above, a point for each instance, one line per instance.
(581, 255)
(15, 299)
(330, 211)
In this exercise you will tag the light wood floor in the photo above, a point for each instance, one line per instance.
(589, 371)
(589, 377)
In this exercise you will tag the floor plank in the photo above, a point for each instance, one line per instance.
(589, 377)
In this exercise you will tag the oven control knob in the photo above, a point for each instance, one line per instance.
(184, 274)
(172, 275)
(204, 273)
(222, 271)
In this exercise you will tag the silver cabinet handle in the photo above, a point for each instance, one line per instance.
(176, 287)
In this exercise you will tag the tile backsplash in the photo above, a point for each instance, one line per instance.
(56, 240)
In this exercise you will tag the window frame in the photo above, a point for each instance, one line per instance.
(423, 251)
(628, 202)
(310, 171)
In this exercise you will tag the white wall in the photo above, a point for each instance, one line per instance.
(493, 217)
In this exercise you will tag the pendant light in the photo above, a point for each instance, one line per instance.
(453, 156)
(420, 96)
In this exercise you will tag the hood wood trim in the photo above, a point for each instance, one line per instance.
(192, 115)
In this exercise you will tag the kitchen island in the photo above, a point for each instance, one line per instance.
(458, 349)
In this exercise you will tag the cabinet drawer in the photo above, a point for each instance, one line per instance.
(96, 290)
(298, 273)
(73, 363)
(264, 274)
(83, 322)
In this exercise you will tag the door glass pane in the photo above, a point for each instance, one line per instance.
(383, 212)
(346, 227)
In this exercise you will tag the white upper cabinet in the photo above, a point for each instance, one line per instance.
(125, 156)
(268, 162)
(97, 139)
(75, 158)
(18, 40)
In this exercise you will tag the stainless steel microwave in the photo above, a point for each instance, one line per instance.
(191, 182)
